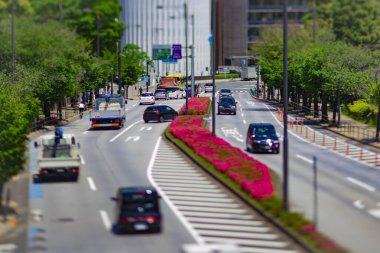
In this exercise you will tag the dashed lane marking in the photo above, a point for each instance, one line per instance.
(106, 220)
(361, 184)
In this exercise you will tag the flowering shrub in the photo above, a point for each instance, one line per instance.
(252, 175)
(196, 106)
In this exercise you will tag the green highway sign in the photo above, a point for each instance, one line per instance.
(162, 52)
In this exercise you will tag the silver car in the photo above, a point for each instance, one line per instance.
(161, 94)
(208, 87)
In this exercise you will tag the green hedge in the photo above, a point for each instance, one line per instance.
(226, 76)
(362, 111)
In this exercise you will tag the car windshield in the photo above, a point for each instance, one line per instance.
(146, 94)
(227, 102)
(225, 91)
(140, 207)
(265, 132)
(160, 91)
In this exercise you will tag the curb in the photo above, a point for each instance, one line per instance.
(243, 198)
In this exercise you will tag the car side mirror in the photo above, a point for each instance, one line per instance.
(113, 198)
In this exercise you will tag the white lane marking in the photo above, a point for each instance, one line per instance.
(244, 121)
(304, 159)
(219, 200)
(172, 169)
(105, 219)
(231, 227)
(188, 185)
(211, 209)
(8, 247)
(82, 160)
(375, 213)
(195, 235)
(184, 181)
(378, 204)
(145, 128)
(225, 221)
(361, 184)
(134, 105)
(134, 138)
(91, 183)
(125, 130)
(247, 242)
(85, 132)
(238, 234)
(242, 115)
(191, 189)
(238, 139)
(266, 250)
(176, 173)
(190, 177)
(358, 204)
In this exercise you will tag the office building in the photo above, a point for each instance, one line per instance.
(162, 22)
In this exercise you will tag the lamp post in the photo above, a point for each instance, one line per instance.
(13, 40)
(187, 75)
(213, 63)
(192, 57)
(285, 91)
(98, 24)
(378, 105)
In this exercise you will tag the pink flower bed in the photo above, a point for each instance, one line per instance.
(252, 175)
(196, 106)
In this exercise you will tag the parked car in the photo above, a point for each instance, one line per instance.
(147, 98)
(227, 105)
(159, 113)
(208, 87)
(225, 92)
(175, 92)
(137, 210)
(161, 94)
(262, 137)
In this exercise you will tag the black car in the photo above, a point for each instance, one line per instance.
(262, 137)
(137, 210)
(227, 105)
(159, 113)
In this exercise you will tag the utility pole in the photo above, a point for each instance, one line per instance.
(187, 75)
(120, 80)
(378, 104)
(13, 40)
(314, 20)
(192, 57)
(213, 63)
(285, 142)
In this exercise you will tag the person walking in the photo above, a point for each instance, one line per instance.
(140, 89)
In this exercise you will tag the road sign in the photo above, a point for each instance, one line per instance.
(170, 61)
(177, 51)
(210, 39)
(162, 52)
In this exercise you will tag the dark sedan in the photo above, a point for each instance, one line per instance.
(227, 105)
(159, 113)
(262, 137)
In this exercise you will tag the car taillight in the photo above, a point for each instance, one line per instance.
(124, 219)
(157, 112)
(75, 170)
(251, 137)
(44, 171)
(117, 121)
(152, 219)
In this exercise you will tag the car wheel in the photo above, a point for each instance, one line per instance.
(146, 121)
(116, 229)
(276, 151)
(218, 112)
(161, 119)
(234, 113)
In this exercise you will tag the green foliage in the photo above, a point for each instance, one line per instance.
(362, 111)
(133, 63)
(357, 21)
(226, 76)
(22, 6)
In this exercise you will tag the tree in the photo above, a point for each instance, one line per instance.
(357, 22)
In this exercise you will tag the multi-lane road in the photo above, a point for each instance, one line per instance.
(76, 217)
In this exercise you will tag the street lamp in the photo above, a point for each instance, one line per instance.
(13, 40)
(187, 99)
(213, 63)
(285, 91)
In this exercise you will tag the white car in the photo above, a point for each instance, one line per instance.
(208, 87)
(175, 92)
(147, 98)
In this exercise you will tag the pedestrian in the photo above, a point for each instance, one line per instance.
(140, 89)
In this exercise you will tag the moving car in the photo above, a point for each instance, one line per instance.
(137, 210)
(147, 98)
(161, 94)
(225, 92)
(262, 137)
(208, 87)
(175, 92)
(227, 105)
(159, 113)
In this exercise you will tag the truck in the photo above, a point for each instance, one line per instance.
(108, 112)
(58, 158)
(248, 73)
(168, 82)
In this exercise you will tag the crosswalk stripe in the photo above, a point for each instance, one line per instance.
(242, 235)
(217, 215)
(191, 189)
(216, 200)
(184, 181)
(176, 173)
(171, 166)
(225, 221)
(189, 177)
(195, 203)
(211, 209)
(196, 194)
(230, 227)
(188, 185)
(246, 242)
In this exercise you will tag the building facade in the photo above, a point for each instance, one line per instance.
(162, 22)
(241, 21)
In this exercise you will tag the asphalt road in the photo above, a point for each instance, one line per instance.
(348, 191)
(76, 217)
